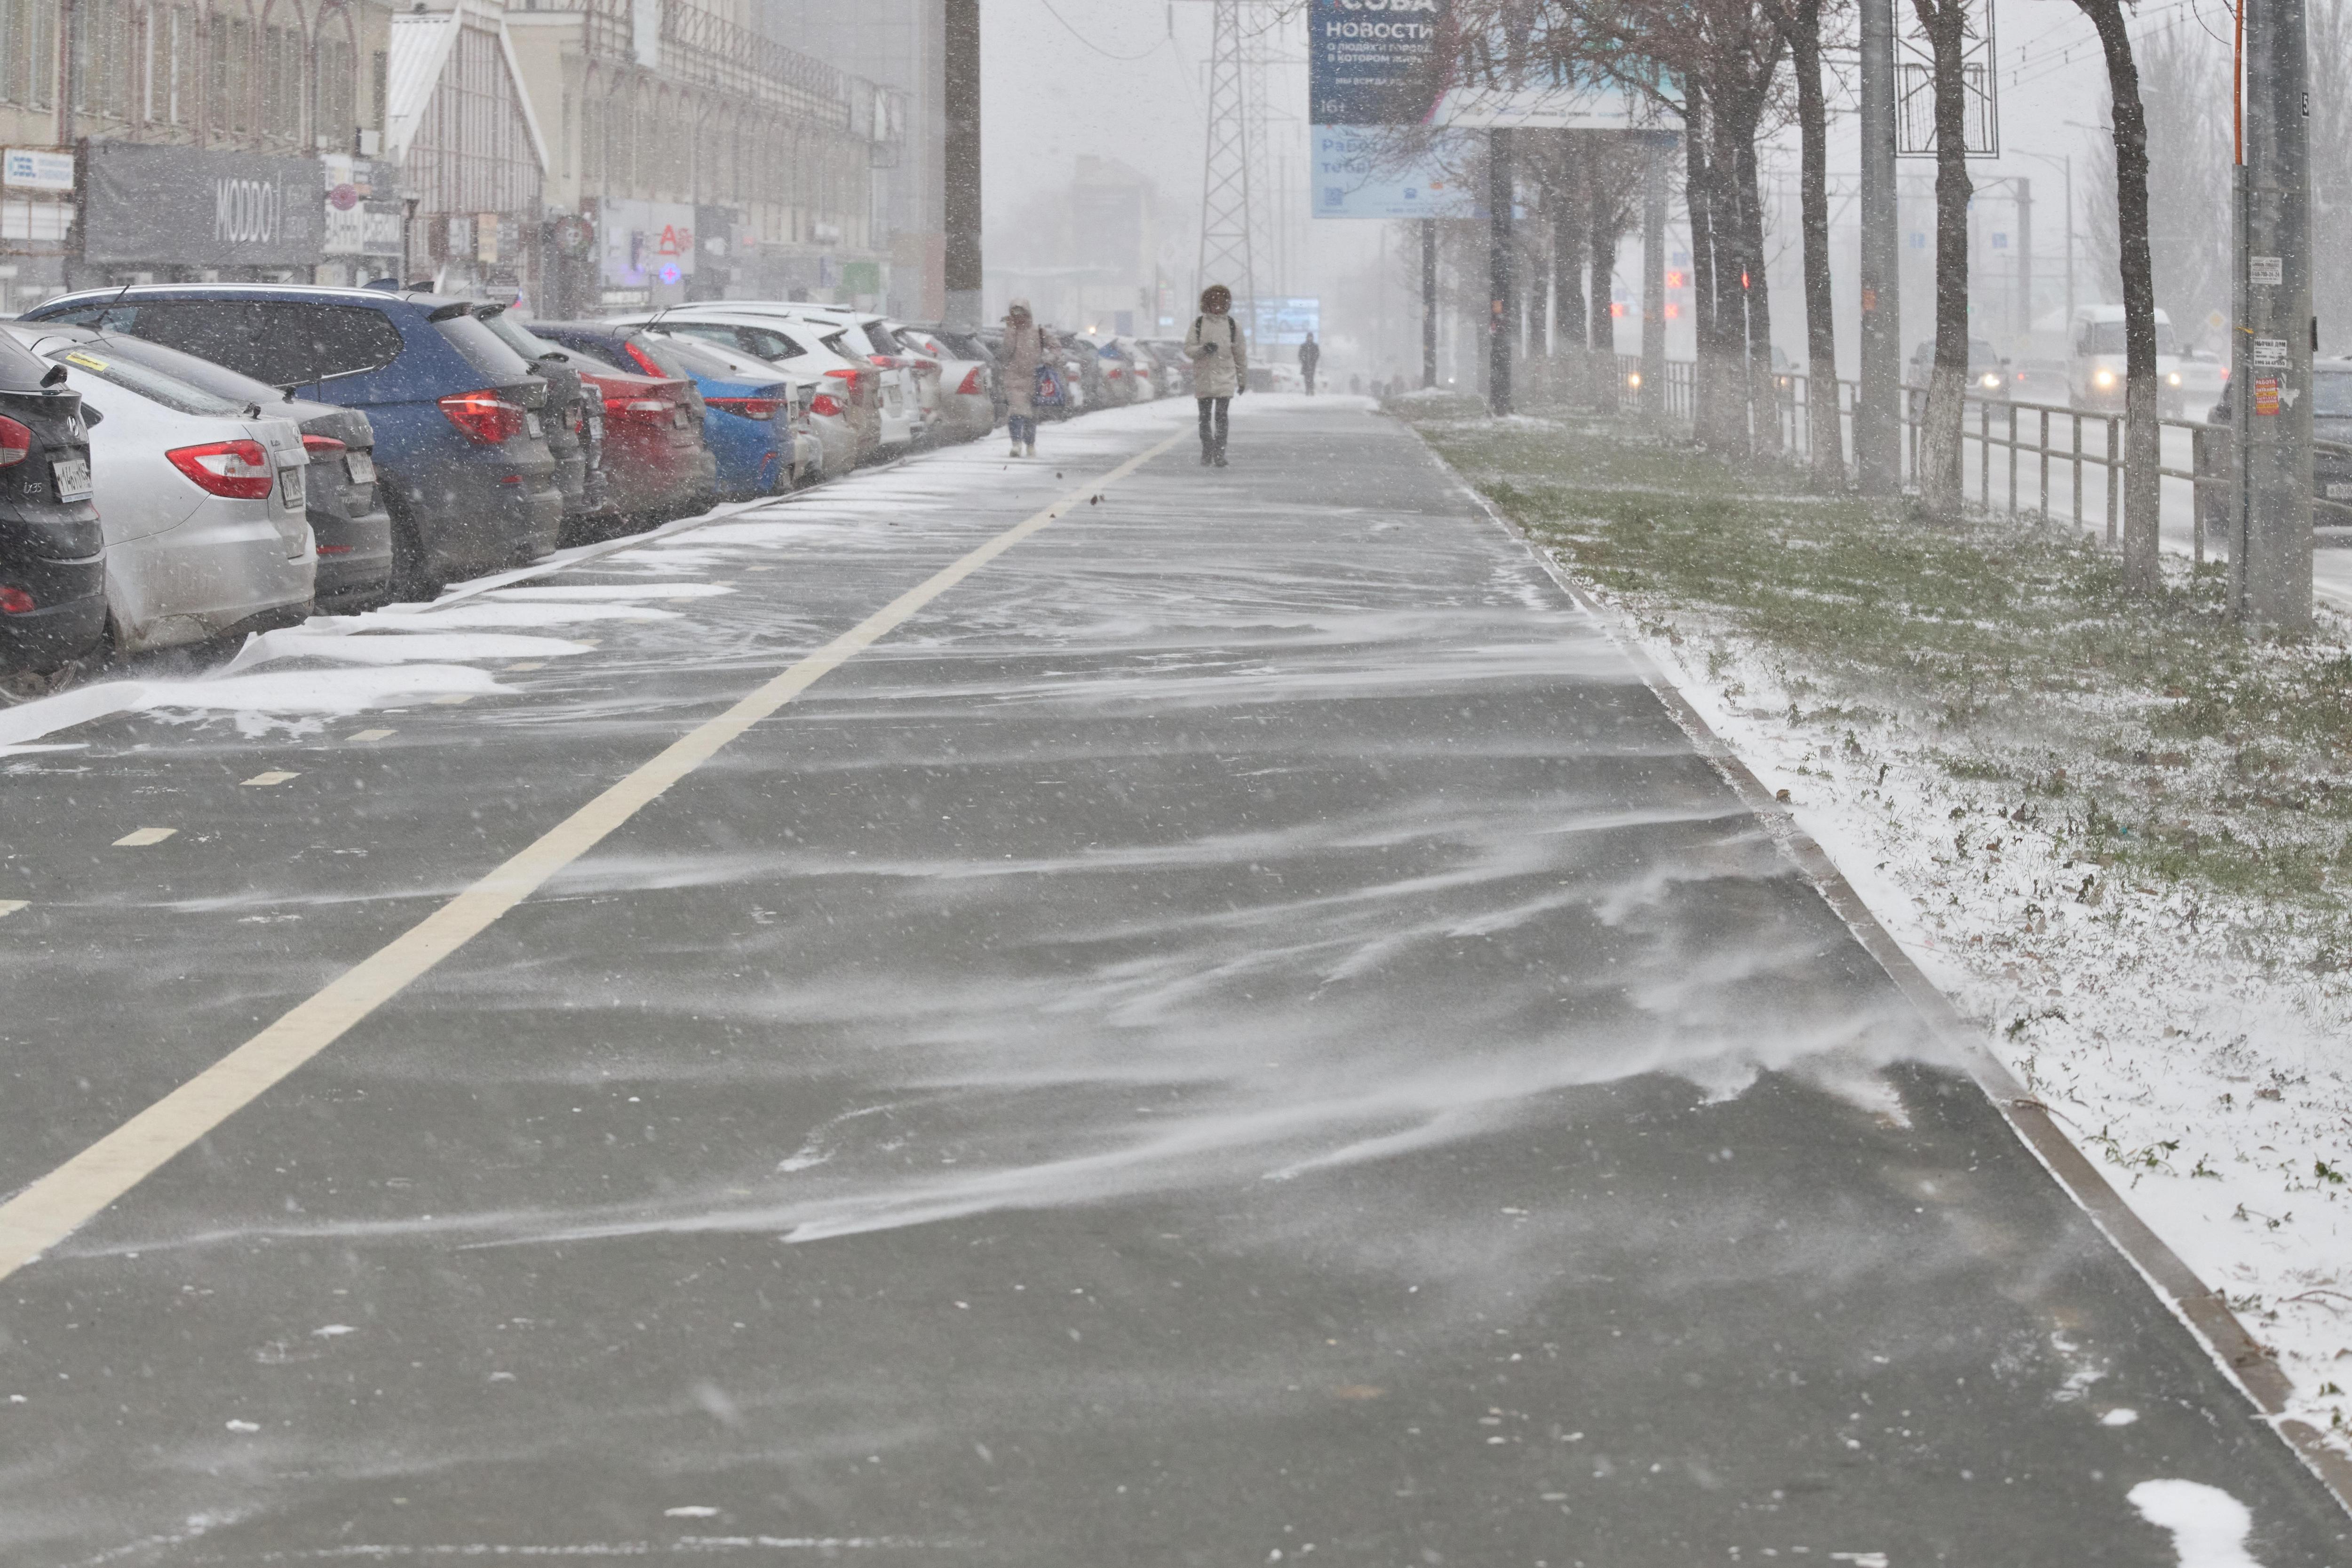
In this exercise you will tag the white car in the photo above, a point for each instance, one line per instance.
(966, 400)
(200, 501)
(810, 349)
(2096, 364)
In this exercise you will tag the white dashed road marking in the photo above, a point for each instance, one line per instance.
(140, 838)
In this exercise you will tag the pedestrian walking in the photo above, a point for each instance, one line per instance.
(1220, 359)
(1356, 384)
(1020, 354)
(1310, 354)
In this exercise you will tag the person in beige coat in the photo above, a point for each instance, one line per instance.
(1022, 350)
(1220, 357)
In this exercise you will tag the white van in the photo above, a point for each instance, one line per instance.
(2094, 363)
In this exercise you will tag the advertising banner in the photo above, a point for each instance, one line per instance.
(647, 243)
(1280, 321)
(1376, 62)
(1354, 177)
(1542, 101)
(200, 208)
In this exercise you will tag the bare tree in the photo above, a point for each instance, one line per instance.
(1800, 23)
(1947, 25)
(2143, 435)
(2330, 23)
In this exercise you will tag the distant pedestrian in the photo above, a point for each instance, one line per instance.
(1310, 354)
(1355, 384)
(1022, 351)
(1220, 359)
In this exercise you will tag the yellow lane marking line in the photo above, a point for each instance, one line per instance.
(368, 735)
(61, 1202)
(140, 838)
(10, 906)
(263, 781)
(452, 699)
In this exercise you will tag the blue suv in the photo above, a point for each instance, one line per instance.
(461, 457)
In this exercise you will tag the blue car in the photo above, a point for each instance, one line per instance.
(460, 457)
(747, 416)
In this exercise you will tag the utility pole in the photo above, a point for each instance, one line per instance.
(2024, 255)
(1877, 414)
(1502, 301)
(1653, 272)
(960, 163)
(2269, 566)
(1429, 302)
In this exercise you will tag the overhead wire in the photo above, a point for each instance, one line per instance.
(1124, 59)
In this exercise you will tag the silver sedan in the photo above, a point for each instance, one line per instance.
(201, 501)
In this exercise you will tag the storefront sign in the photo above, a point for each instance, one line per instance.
(200, 208)
(30, 169)
(1358, 173)
(647, 242)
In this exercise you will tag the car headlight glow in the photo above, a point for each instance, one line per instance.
(2174, 379)
(1634, 378)
(2103, 378)
(1988, 379)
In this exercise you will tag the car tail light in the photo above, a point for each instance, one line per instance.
(239, 469)
(485, 416)
(856, 379)
(827, 404)
(970, 387)
(16, 601)
(334, 550)
(639, 410)
(15, 442)
(321, 447)
(1117, 376)
(750, 407)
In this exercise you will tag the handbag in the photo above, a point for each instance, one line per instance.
(1048, 394)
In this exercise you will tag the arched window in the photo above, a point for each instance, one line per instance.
(172, 64)
(228, 60)
(282, 74)
(338, 77)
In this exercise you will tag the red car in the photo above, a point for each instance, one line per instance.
(655, 463)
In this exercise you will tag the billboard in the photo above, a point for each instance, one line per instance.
(1278, 321)
(1377, 62)
(1355, 176)
(200, 208)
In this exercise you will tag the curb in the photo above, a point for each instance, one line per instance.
(2204, 1309)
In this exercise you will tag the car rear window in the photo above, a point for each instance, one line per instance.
(480, 348)
(20, 369)
(279, 342)
(516, 336)
(148, 382)
(701, 360)
(217, 379)
(2331, 394)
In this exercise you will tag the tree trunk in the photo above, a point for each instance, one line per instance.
(2143, 432)
(1600, 257)
(1763, 385)
(1946, 22)
(1567, 287)
(1801, 27)
(1708, 393)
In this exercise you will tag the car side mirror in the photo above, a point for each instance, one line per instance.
(90, 417)
(54, 376)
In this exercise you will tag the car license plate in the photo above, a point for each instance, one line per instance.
(530, 423)
(360, 468)
(289, 489)
(73, 477)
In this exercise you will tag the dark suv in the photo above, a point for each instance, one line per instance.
(52, 556)
(461, 454)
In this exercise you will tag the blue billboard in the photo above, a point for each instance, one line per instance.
(1357, 173)
(1377, 62)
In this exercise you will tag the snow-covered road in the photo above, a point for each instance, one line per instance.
(1023, 1014)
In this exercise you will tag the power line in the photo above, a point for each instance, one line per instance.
(1091, 44)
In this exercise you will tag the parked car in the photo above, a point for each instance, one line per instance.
(348, 521)
(2331, 459)
(904, 407)
(655, 464)
(792, 345)
(1119, 375)
(1176, 369)
(1142, 367)
(461, 463)
(52, 553)
(2204, 378)
(750, 408)
(967, 372)
(801, 448)
(202, 501)
(573, 419)
(2096, 367)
